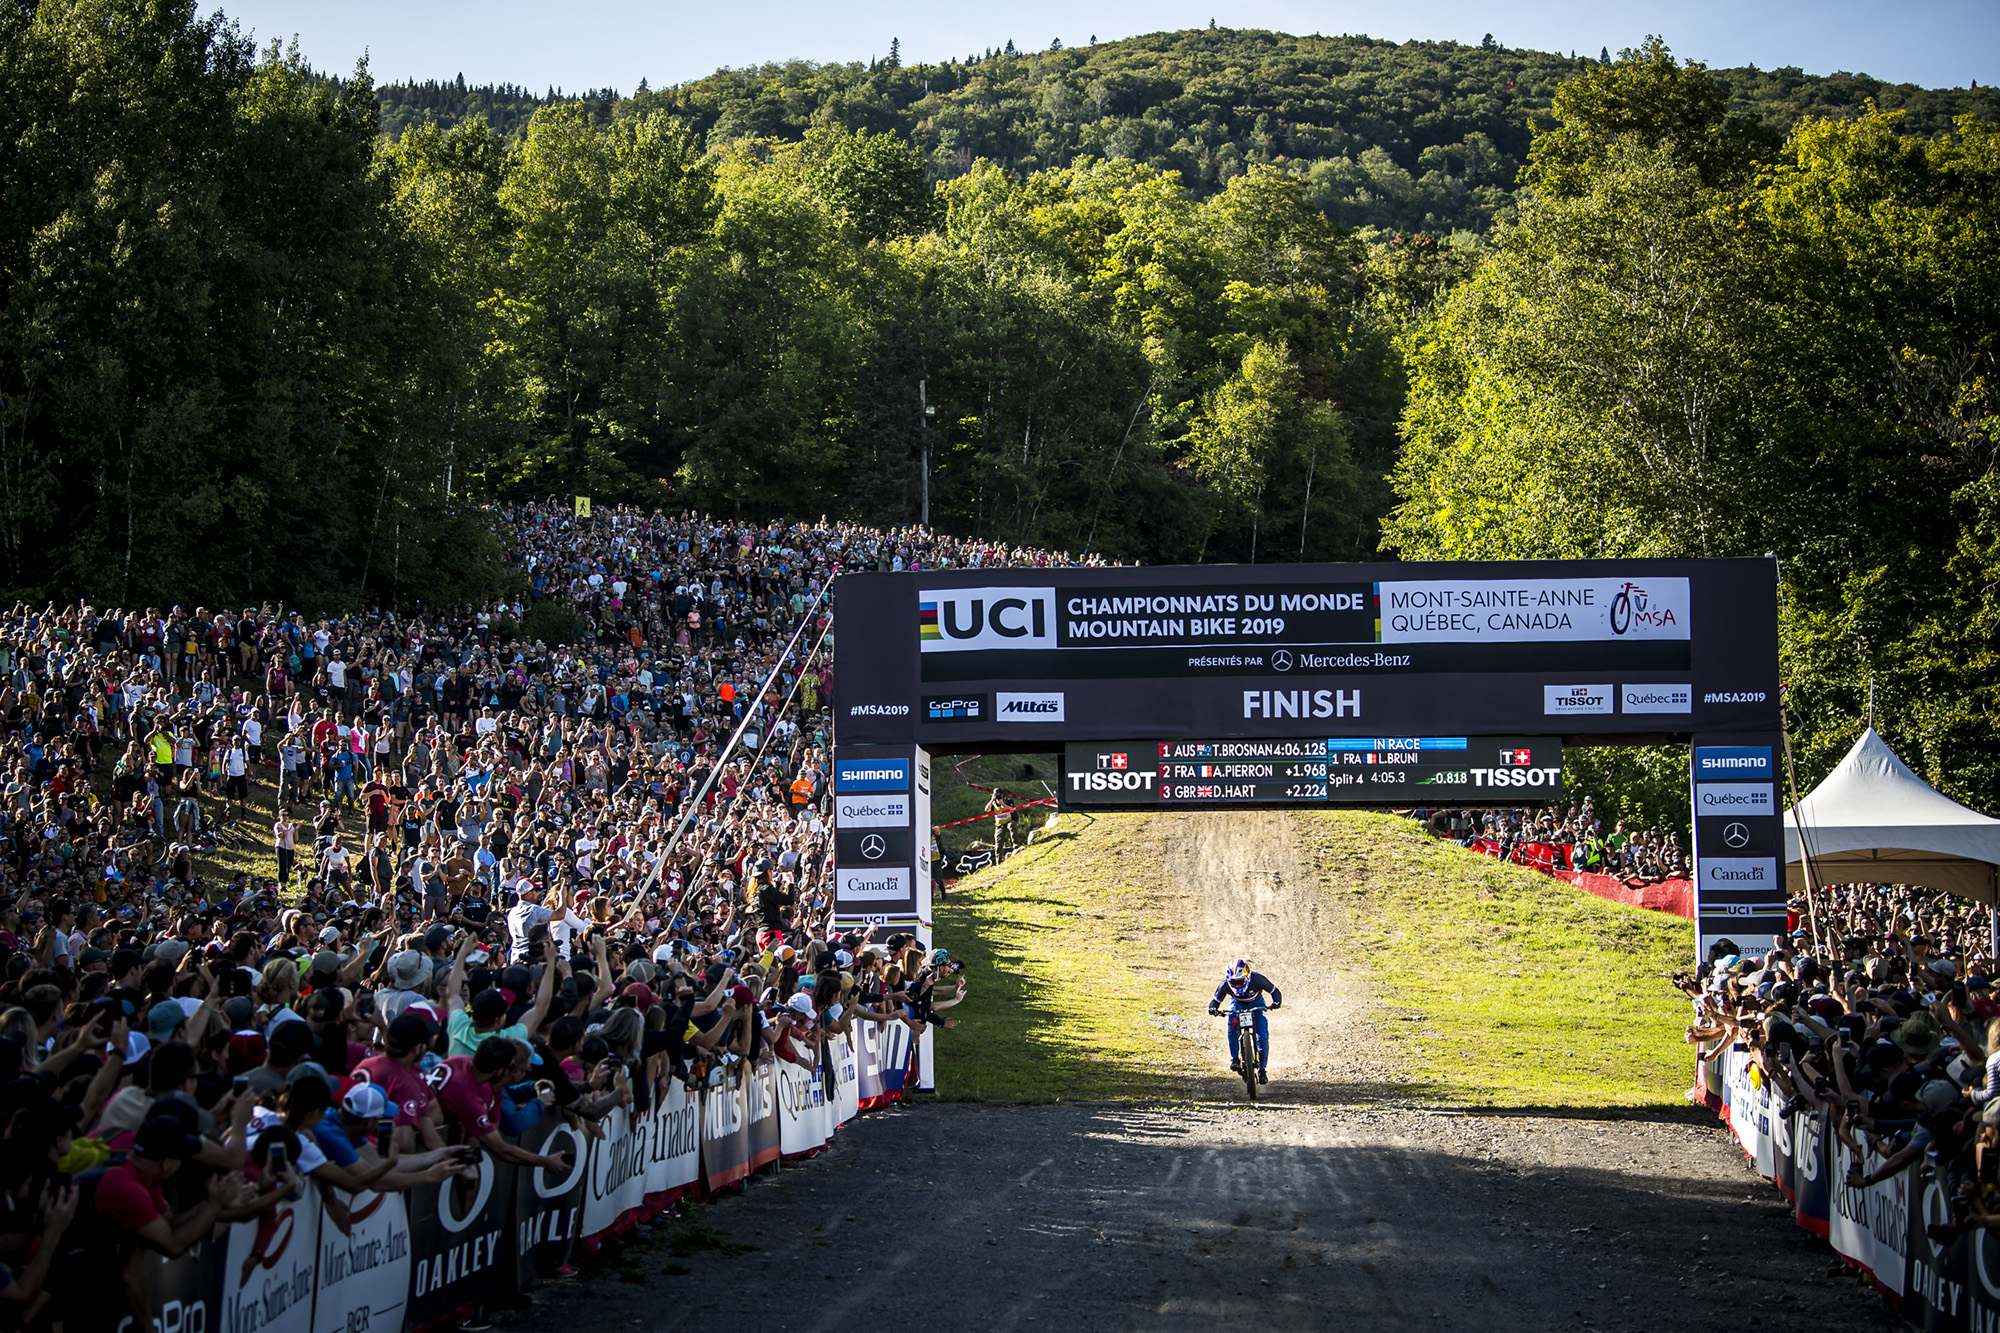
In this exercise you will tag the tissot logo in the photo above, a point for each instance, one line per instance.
(1559, 700)
(953, 620)
(1028, 707)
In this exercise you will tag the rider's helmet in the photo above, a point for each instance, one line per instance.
(1239, 976)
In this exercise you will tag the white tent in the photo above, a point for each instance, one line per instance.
(1873, 821)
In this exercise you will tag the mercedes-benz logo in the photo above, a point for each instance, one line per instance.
(874, 846)
(1281, 660)
(1736, 835)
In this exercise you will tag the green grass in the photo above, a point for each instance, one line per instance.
(1058, 944)
(1500, 986)
(1491, 985)
(1024, 777)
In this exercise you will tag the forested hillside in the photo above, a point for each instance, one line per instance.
(1409, 136)
(253, 347)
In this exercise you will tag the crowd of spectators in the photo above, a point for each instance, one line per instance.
(1567, 837)
(509, 878)
(1880, 1008)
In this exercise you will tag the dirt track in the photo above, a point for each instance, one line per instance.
(1288, 1218)
(1253, 893)
(1323, 1208)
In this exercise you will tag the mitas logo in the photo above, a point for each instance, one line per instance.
(1028, 707)
(966, 619)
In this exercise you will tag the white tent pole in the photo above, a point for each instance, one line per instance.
(1798, 817)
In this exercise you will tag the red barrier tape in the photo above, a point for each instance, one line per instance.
(1675, 896)
(996, 814)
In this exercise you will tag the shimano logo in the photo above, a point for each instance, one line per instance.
(1028, 707)
(879, 710)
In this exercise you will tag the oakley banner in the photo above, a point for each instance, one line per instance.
(1626, 649)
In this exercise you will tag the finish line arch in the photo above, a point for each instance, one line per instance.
(1311, 686)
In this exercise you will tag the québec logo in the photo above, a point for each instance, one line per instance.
(1028, 707)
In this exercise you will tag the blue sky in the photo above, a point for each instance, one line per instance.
(1940, 43)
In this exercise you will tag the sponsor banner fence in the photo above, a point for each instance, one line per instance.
(409, 1260)
(1880, 1228)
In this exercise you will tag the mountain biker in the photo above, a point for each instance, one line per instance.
(1246, 991)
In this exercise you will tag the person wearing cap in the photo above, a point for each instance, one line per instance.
(395, 1072)
(407, 975)
(469, 1091)
(471, 1024)
(346, 1133)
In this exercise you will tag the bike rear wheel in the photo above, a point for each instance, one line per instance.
(1247, 1044)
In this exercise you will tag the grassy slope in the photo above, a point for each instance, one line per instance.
(1502, 986)
(1494, 985)
(1063, 1005)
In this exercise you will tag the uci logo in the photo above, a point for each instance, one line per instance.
(982, 619)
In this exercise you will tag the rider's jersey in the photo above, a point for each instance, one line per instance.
(1250, 995)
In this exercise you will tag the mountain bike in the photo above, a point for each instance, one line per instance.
(1247, 1053)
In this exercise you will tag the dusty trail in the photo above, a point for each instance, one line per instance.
(1327, 1206)
(1253, 892)
(1282, 1218)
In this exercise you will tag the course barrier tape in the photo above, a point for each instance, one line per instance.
(409, 1260)
(1882, 1229)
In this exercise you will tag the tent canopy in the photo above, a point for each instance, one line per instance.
(1873, 821)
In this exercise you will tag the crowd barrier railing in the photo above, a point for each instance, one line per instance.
(410, 1260)
(1882, 1229)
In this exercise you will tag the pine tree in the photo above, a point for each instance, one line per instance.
(1603, 55)
(1010, 48)
(1487, 43)
(895, 60)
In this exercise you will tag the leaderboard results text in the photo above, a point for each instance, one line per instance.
(1337, 770)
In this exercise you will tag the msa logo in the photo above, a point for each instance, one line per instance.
(1558, 700)
(956, 620)
(1028, 707)
(879, 710)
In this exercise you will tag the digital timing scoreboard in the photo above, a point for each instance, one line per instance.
(1338, 770)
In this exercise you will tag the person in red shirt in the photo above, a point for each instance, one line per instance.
(468, 1088)
(395, 1073)
(129, 1215)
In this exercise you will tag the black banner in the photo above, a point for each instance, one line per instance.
(460, 1240)
(1937, 1270)
(1625, 650)
(548, 1205)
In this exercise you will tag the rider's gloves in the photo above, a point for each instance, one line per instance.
(1215, 1009)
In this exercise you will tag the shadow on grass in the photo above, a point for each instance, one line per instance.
(1016, 1040)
